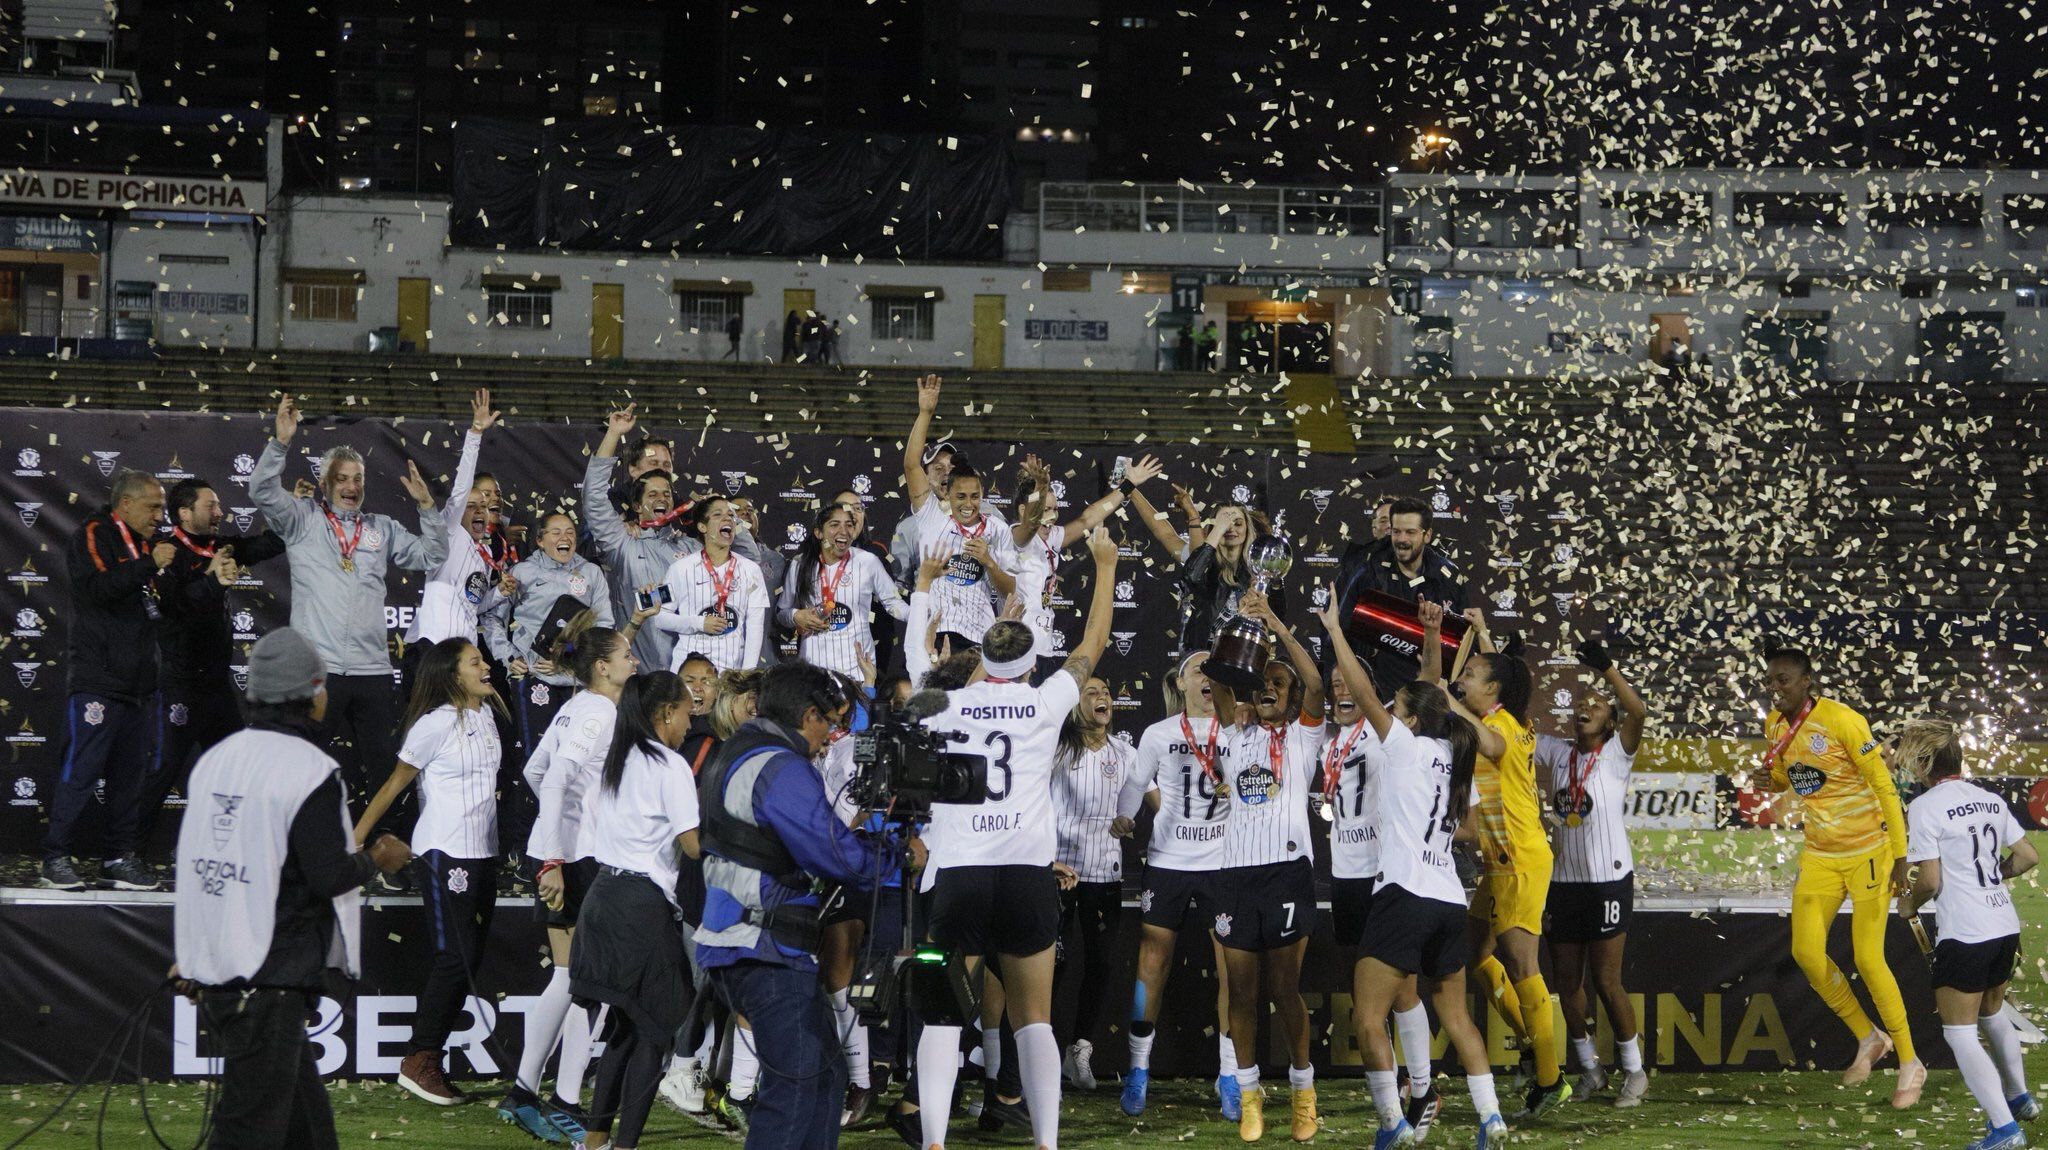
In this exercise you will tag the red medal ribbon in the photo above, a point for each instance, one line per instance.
(1333, 761)
(828, 589)
(1276, 748)
(1791, 729)
(1581, 770)
(980, 526)
(187, 540)
(504, 539)
(666, 517)
(128, 537)
(1208, 760)
(722, 586)
(348, 545)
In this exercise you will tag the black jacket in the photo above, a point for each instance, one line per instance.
(196, 642)
(1371, 566)
(1207, 601)
(318, 866)
(110, 645)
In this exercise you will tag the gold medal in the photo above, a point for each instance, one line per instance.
(1572, 820)
(348, 564)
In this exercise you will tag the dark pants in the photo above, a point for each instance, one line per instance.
(190, 719)
(459, 903)
(626, 1078)
(270, 1089)
(803, 1077)
(362, 732)
(1093, 910)
(104, 738)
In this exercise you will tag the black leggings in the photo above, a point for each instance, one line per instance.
(1093, 911)
(460, 897)
(626, 1078)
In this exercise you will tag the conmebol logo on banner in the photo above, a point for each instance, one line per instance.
(28, 624)
(28, 464)
(244, 465)
(862, 485)
(30, 512)
(1126, 593)
(107, 460)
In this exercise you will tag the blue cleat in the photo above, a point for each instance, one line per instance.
(1392, 1136)
(1230, 1095)
(1493, 1133)
(2006, 1137)
(522, 1109)
(1135, 1081)
(2024, 1108)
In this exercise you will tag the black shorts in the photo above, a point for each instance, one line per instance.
(1416, 935)
(1170, 896)
(1266, 907)
(1975, 967)
(1350, 907)
(577, 876)
(984, 910)
(1583, 912)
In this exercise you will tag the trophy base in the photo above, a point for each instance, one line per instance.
(1238, 659)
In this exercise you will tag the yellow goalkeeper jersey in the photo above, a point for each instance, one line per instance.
(1848, 804)
(1511, 836)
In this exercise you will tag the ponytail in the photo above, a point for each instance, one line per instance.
(1508, 670)
(1434, 720)
(582, 644)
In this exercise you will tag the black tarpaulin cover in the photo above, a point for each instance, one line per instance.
(624, 186)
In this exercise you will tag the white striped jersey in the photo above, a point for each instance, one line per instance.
(453, 593)
(695, 584)
(1352, 763)
(1414, 823)
(963, 598)
(1085, 788)
(1967, 828)
(836, 766)
(1192, 778)
(856, 583)
(1595, 787)
(1272, 773)
(1038, 565)
(562, 769)
(456, 753)
(1016, 727)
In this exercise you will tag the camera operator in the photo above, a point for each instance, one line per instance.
(1406, 564)
(768, 831)
(994, 889)
(267, 900)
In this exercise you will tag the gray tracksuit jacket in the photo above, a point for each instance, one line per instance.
(341, 612)
(510, 624)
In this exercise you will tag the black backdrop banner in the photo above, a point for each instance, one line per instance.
(1714, 991)
(631, 186)
(55, 467)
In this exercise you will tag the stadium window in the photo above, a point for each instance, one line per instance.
(522, 307)
(708, 310)
(2031, 295)
(1522, 293)
(903, 318)
(324, 303)
(1067, 279)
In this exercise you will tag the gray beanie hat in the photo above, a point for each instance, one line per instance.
(284, 667)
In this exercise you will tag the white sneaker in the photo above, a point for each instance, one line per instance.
(1635, 1085)
(683, 1086)
(1079, 1068)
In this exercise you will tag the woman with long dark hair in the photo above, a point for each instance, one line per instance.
(720, 605)
(562, 771)
(641, 821)
(1418, 905)
(451, 748)
(1088, 774)
(830, 592)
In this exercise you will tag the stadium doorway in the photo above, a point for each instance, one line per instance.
(1280, 335)
(989, 329)
(607, 321)
(415, 309)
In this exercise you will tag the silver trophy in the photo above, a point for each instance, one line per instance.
(1237, 656)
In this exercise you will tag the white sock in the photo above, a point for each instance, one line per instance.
(1631, 1050)
(1980, 1074)
(1226, 1055)
(1484, 1101)
(1141, 1051)
(853, 1038)
(1038, 1065)
(1248, 1077)
(1301, 1077)
(746, 1064)
(1412, 1027)
(938, 1064)
(579, 1033)
(1587, 1056)
(707, 1047)
(1386, 1097)
(543, 1028)
(992, 1051)
(2003, 1040)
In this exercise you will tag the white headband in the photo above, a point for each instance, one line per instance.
(1016, 668)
